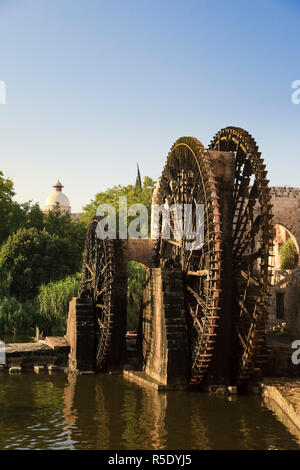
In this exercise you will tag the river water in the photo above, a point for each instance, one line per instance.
(61, 411)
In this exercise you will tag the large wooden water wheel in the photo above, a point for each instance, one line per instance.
(188, 178)
(252, 238)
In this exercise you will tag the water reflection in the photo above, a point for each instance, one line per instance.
(61, 411)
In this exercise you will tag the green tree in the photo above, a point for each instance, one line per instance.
(30, 215)
(54, 222)
(64, 226)
(30, 258)
(10, 211)
(135, 288)
(14, 216)
(288, 255)
(135, 195)
(20, 318)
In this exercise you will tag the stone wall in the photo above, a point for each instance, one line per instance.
(279, 358)
(53, 351)
(286, 212)
(287, 283)
(140, 250)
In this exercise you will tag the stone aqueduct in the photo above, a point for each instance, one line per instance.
(286, 212)
(203, 316)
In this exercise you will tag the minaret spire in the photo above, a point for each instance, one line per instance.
(138, 181)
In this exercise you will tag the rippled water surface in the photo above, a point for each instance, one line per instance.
(61, 411)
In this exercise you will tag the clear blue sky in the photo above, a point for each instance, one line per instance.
(93, 86)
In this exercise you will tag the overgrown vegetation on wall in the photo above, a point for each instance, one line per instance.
(288, 255)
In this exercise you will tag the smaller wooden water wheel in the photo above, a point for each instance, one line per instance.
(99, 265)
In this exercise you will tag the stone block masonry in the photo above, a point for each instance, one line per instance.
(286, 213)
(286, 209)
(286, 394)
(165, 347)
(52, 350)
(81, 334)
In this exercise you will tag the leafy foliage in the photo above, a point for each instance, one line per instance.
(9, 209)
(30, 258)
(135, 195)
(288, 255)
(17, 317)
(136, 282)
(14, 216)
(53, 299)
(48, 311)
(40, 252)
(36, 248)
(64, 226)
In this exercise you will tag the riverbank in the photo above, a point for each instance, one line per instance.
(282, 396)
(54, 350)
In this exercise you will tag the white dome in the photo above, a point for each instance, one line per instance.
(57, 196)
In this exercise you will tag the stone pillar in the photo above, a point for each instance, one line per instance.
(81, 335)
(164, 341)
(220, 370)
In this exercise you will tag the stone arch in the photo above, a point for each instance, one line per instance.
(141, 250)
(286, 210)
(281, 235)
